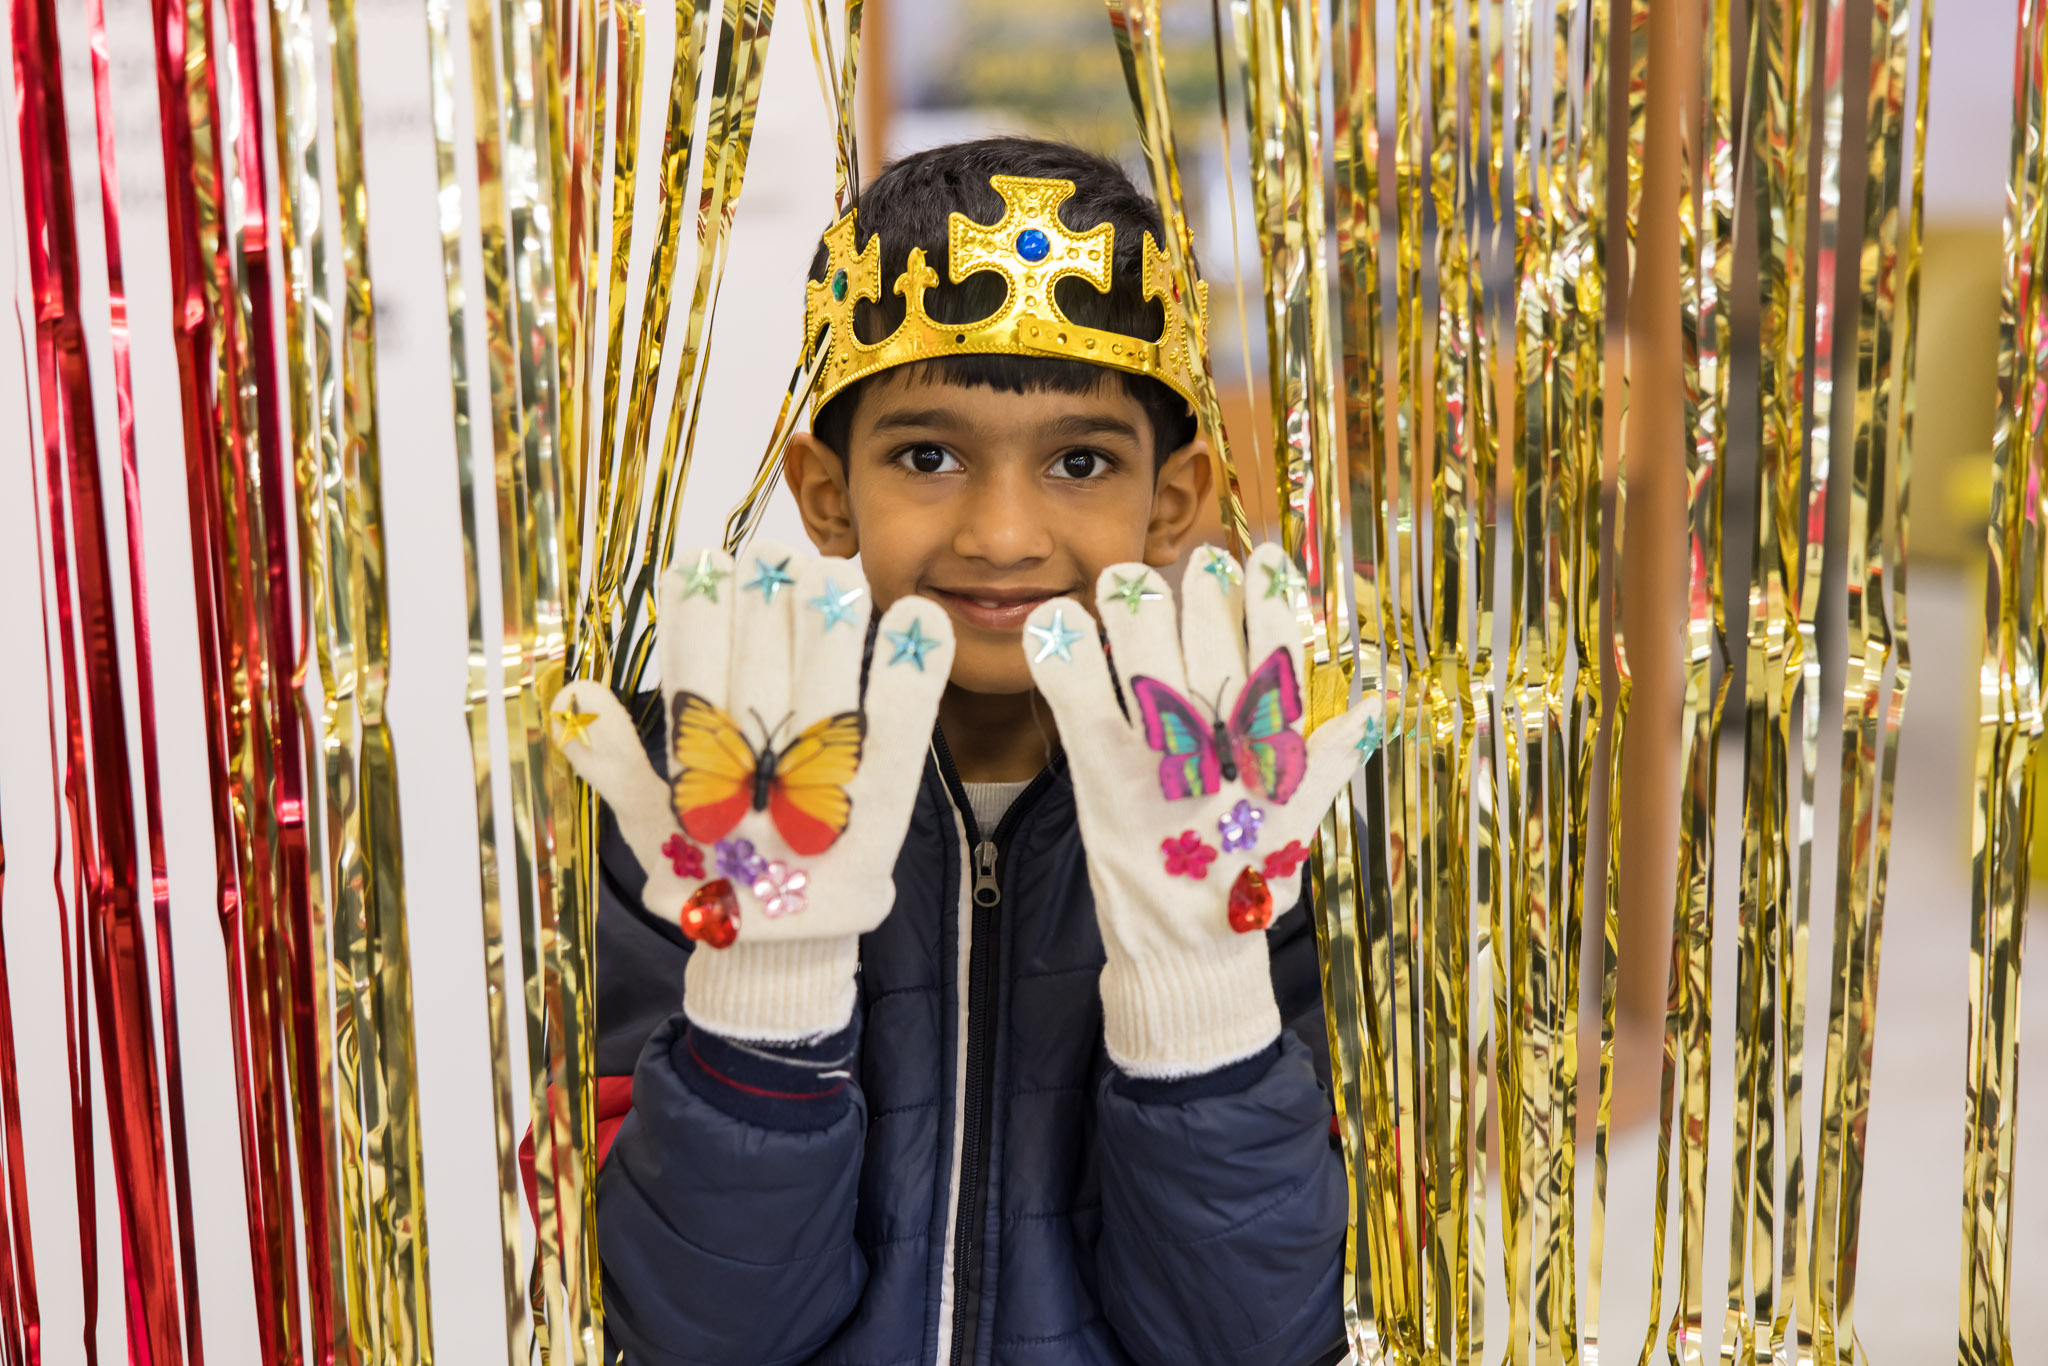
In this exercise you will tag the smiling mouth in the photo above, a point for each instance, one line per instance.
(1001, 610)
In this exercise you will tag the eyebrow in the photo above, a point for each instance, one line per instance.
(912, 419)
(1077, 425)
(1073, 426)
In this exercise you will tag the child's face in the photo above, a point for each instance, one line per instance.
(989, 503)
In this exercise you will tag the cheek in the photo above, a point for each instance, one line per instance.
(1113, 533)
(893, 544)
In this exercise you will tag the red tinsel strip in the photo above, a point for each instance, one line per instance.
(145, 672)
(19, 1271)
(66, 780)
(245, 634)
(23, 1340)
(105, 838)
(280, 900)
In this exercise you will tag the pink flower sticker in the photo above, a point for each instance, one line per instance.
(1284, 862)
(686, 858)
(1187, 855)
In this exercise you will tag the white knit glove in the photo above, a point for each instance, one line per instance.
(1194, 834)
(773, 839)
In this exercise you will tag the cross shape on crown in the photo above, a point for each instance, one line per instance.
(1029, 246)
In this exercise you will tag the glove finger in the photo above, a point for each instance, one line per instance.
(1212, 635)
(831, 629)
(695, 633)
(766, 588)
(1276, 613)
(606, 753)
(1067, 664)
(1334, 754)
(1136, 608)
(913, 659)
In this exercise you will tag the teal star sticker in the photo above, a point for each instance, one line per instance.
(1281, 582)
(1369, 743)
(1222, 570)
(833, 605)
(1056, 639)
(911, 645)
(704, 577)
(1134, 592)
(769, 578)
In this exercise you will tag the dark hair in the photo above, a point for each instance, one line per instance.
(907, 206)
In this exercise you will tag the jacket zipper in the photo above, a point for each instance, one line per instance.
(983, 991)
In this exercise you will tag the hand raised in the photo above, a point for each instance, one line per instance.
(787, 791)
(1197, 793)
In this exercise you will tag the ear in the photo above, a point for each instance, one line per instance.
(1179, 493)
(816, 477)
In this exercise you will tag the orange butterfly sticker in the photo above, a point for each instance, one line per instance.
(720, 775)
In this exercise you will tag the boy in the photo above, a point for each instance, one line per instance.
(941, 1089)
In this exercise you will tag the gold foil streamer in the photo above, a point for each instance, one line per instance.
(2009, 727)
(1869, 727)
(728, 137)
(1765, 1072)
(1358, 1018)
(1501, 115)
(838, 89)
(620, 500)
(377, 1039)
(1144, 61)
(476, 703)
(1279, 59)
(548, 819)
(310, 367)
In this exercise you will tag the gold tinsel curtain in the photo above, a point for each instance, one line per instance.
(1474, 224)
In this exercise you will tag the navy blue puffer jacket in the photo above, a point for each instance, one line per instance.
(983, 1185)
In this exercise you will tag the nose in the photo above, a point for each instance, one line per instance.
(1001, 522)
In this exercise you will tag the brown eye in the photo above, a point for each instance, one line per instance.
(927, 459)
(1082, 465)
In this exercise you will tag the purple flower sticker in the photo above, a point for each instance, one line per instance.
(1239, 826)
(738, 861)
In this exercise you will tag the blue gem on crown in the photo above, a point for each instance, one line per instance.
(1033, 245)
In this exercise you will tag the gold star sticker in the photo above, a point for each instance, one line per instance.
(575, 725)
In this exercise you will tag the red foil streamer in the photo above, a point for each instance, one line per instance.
(18, 1273)
(20, 1315)
(97, 778)
(145, 669)
(241, 571)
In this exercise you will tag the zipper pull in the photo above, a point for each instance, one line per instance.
(986, 892)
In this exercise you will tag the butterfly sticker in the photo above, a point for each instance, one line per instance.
(720, 775)
(1256, 740)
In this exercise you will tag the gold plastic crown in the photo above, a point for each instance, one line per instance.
(1032, 250)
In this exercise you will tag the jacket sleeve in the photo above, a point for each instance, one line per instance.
(725, 1204)
(1224, 1199)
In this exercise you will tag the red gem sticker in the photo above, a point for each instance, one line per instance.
(1251, 904)
(712, 915)
(1187, 855)
(686, 858)
(1284, 862)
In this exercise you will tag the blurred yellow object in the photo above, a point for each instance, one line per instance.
(1956, 391)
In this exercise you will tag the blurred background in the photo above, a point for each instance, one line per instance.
(936, 71)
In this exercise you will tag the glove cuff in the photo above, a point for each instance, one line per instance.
(784, 991)
(1188, 1010)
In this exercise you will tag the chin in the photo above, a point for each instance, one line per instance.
(991, 669)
